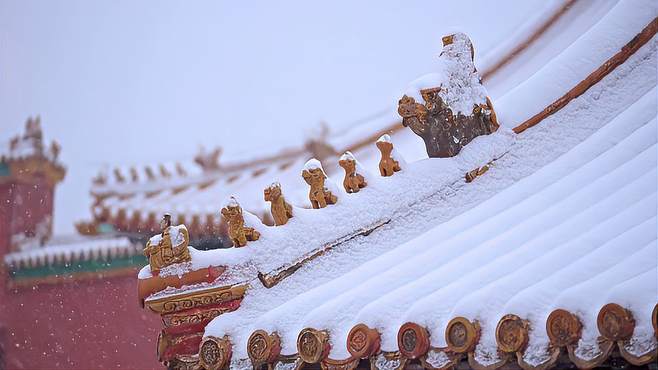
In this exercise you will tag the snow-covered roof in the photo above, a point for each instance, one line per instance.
(554, 247)
(29, 145)
(577, 234)
(71, 252)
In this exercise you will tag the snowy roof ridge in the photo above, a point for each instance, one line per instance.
(93, 248)
(31, 144)
(305, 234)
(626, 140)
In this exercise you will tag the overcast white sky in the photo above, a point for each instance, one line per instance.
(132, 82)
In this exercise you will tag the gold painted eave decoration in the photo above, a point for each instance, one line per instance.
(187, 300)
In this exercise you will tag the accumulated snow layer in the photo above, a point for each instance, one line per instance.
(383, 199)
(457, 77)
(580, 17)
(576, 62)
(334, 292)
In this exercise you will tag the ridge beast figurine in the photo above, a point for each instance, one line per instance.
(168, 247)
(237, 232)
(456, 107)
(280, 209)
(314, 175)
(353, 181)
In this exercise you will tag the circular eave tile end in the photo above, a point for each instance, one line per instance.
(313, 345)
(462, 335)
(512, 334)
(563, 328)
(263, 348)
(615, 322)
(413, 340)
(362, 341)
(215, 353)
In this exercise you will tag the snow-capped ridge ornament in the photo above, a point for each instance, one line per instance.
(169, 247)
(237, 232)
(389, 163)
(354, 181)
(456, 107)
(319, 195)
(280, 209)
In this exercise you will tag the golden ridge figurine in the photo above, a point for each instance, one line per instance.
(353, 181)
(237, 232)
(280, 209)
(387, 164)
(319, 195)
(160, 249)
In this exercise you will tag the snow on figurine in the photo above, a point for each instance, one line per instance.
(237, 232)
(314, 175)
(456, 108)
(388, 164)
(353, 181)
(280, 209)
(168, 247)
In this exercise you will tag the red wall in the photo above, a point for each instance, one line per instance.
(23, 207)
(95, 324)
(6, 207)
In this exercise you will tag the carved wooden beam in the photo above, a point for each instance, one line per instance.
(184, 301)
(170, 347)
(146, 287)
